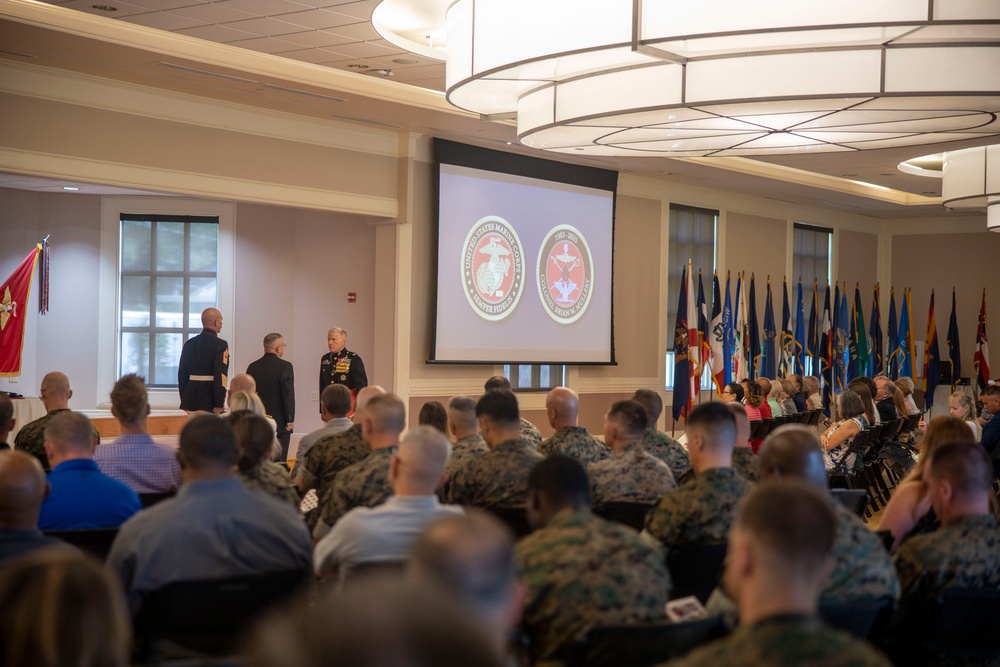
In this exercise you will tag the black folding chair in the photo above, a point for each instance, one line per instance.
(629, 514)
(855, 500)
(964, 626)
(695, 569)
(760, 428)
(514, 517)
(862, 619)
(641, 645)
(150, 499)
(93, 541)
(817, 417)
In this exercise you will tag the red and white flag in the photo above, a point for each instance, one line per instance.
(13, 313)
(982, 358)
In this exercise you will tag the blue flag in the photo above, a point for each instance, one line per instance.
(753, 344)
(787, 353)
(728, 318)
(905, 338)
(894, 350)
(681, 359)
(954, 350)
(768, 353)
(800, 333)
(875, 365)
(813, 333)
(860, 334)
(932, 358)
(826, 346)
(853, 367)
(842, 351)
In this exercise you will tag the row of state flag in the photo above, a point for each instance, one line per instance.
(733, 347)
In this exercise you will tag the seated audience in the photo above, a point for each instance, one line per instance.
(754, 399)
(384, 534)
(990, 439)
(884, 403)
(366, 483)
(909, 510)
(774, 399)
(799, 396)
(811, 384)
(80, 495)
(745, 461)
(55, 394)
(498, 478)
(656, 442)
(732, 392)
(334, 406)
(836, 439)
(379, 622)
(702, 510)
(213, 528)
(432, 413)
(254, 444)
(562, 407)
(580, 570)
(133, 458)
(464, 429)
(965, 551)
(6, 419)
(863, 387)
(962, 406)
(22, 490)
(61, 609)
(528, 431)
(630, 475)
(905, 385)
(779, 550)
(764, 385)
(788, 406)
(471, 558)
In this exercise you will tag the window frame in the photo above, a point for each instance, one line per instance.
(512, 373)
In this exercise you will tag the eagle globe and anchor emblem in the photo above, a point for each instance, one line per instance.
(492, 268)
(565, 274)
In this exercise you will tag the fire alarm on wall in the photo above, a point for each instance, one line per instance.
(352, 297)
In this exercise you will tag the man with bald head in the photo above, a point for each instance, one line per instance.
(204, 366)
(55, 394)
(562, 406)
(366, 483)
(81, 496)
(384, 534)
(22, 490)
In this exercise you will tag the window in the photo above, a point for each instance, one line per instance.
(535, 377)
(169, 274)
(692, 236)
(811, 248)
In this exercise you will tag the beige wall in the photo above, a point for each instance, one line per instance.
(857, 263)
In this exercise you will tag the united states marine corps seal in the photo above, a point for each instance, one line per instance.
(565, 274)
(493, 268)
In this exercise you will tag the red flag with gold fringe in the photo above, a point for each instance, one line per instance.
(13, 312)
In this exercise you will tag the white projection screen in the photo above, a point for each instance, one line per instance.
(524, 260)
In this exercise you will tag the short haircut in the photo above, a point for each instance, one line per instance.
(432, 413)
(990, 390)
(849, 405)
(242, 382)
(208, 442)
(811, 381)
(717, 423)
(964, 465)
(630, 417)
(424, 451)
(129, 399)
(337, 330)
(6, 407)
(795, 379)
(254, 438)
(56, 382)
(651, 401)
(737, 390)
(462, 412)
(499, 406)
(561, 480)
(387, 413)
(496, 382)
(791, 520)
(271, 340)
(70, 432)
(470, 556)
(337, 400)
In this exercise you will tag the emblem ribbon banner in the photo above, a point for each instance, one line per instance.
(13, 313)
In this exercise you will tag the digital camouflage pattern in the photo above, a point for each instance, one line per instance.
(464, 450)
(700, 511)
(575, 442)
(629, 476)
(668, 450)
(364, 484)
(530, 433)
(746, 464)
(582, 571)
(787, 639)
(272, 479)
(498, 478)
(31, 438)
(331, 454)
(862, 570)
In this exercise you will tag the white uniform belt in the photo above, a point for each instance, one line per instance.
(201, 378)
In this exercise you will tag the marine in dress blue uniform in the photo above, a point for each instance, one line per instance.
(202, 374)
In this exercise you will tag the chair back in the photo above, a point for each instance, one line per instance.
(817, 416)
(862, 619)
(853, 499)
(514, 517)
(150, 499)
(93, 541)
(630, 514)
(761, 427)
(647, 644)
(964, 625)
(695, 569)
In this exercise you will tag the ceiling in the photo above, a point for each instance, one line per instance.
(316, 58)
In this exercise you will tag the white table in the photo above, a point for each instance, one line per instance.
(26, 410)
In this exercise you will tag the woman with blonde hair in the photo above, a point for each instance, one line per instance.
(961, 406)
(787, 402)
(774, 399)
(905, 385)
(909, 508)
(838, 437)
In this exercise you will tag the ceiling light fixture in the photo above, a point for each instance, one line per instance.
(971, 179)
(70, 188)
(104, 8)
(728, 77)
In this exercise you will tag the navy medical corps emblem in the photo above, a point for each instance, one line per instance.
(492, 268)
(565, 274)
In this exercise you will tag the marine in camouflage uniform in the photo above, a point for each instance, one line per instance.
(786, 639)
(329, 456)
(364, 484)
(700, 511)
(272, 479)
(574, 441)
(498, 478)
(530, 433)
(746, 464)
(582, 571)
(464, 450)
(629, 476)
(31, 438)
(668, 450)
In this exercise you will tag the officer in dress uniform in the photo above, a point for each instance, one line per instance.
(340, 365)
(204, 366)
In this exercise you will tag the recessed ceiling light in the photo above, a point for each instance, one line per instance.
(70, 188)
(104, 8)
(405, 61)
(358, 66)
